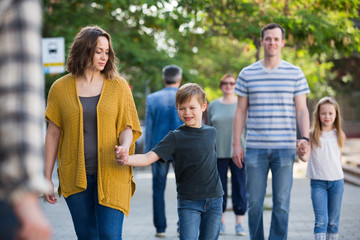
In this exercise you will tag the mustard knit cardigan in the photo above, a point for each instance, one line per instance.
(115, 111)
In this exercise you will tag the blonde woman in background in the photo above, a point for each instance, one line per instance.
(220, 115)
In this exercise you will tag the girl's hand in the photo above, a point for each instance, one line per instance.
(121, 154)
(302, 147)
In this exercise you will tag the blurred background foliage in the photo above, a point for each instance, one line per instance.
(209, 38)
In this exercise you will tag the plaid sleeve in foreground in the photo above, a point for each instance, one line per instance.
(21, 99)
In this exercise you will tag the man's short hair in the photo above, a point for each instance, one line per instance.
(187, 91)
(171, 74)
(272, 26)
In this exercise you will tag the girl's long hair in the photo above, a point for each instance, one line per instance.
(316, 127)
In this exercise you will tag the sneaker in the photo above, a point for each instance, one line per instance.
(222, 228)
(160, 234)
(239, 229)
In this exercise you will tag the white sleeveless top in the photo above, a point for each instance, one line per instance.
(324, 162)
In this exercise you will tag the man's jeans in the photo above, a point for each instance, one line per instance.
(93, 221)
(258, 163)
(204, 215)
(326, 198)
(159, 175)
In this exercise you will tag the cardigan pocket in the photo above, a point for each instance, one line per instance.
(67, 178)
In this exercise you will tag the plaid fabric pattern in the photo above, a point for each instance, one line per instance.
(21, 99)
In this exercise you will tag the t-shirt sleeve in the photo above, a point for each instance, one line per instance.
(241, 88)
(301, 86)
(165, 147)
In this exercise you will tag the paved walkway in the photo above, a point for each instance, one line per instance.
(139, 225)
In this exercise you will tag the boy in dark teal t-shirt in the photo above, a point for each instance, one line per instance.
(192, 147)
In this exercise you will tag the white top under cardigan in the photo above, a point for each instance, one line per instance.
(324, 162)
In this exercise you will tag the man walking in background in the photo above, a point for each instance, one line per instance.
(272, 96)
(160, 118)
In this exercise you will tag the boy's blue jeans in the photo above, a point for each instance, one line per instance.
(326, 198)
(258, 162)
(204, 215)
(93, 221)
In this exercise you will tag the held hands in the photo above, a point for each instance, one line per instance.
(121, 155)
(302, 147)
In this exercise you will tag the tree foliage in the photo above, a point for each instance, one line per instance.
(209, 38)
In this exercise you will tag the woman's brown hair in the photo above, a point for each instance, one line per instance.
(316, 128)
(83, 49)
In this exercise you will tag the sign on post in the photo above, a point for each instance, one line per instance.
(53, 55)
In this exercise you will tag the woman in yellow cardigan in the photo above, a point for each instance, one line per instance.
(90, 111)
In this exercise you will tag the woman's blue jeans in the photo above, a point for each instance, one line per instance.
(204, 215)
(258, 162)
(326, 198)
(93, 221)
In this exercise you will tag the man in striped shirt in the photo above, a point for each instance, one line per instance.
(271, 98)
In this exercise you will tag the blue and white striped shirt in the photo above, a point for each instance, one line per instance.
(271, 121)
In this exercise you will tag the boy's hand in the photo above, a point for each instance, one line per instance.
(121, 154)
(302, 147)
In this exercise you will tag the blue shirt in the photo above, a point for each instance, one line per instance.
(271, 113)
(161, 116)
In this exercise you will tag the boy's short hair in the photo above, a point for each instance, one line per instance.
(187, 91)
